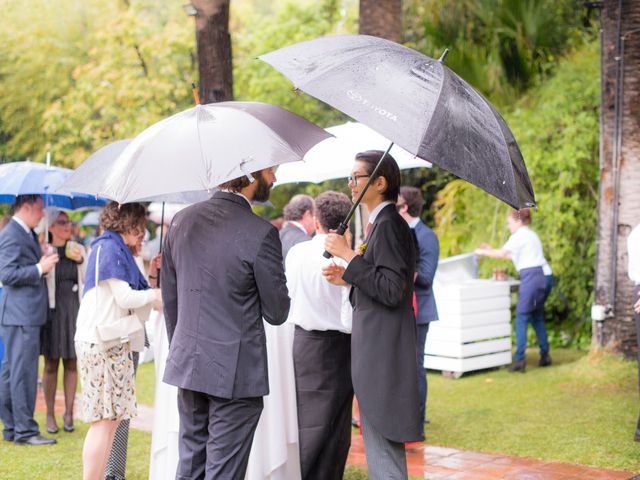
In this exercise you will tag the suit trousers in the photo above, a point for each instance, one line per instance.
(324, 398)
(421, 340)
(386, 460)
(19, 381)
(215, 435)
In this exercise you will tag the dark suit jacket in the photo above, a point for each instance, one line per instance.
(291, 235)
(24, 299)
(221, 275)
(383, 337)
(428, 253)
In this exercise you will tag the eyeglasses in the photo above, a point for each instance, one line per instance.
(62, 222)
(354, 178)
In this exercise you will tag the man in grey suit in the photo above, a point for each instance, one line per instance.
(300, 222)
(23, 311)
(221, 275)
(410, 204)
(383, 336)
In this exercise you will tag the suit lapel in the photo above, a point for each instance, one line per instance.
(28, 238)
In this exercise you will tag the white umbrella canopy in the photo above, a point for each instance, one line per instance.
(200, 148)
(333, 158)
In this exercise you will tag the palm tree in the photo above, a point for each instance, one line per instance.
(381, 18)
(214, 50)
(619, 197)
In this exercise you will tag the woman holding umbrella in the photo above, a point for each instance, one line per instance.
(383, 339)
(64, 284)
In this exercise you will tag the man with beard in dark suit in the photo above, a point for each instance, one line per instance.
(383, 336)
(299, 222)
(222, 274)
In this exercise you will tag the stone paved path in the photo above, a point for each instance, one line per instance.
(436, 463)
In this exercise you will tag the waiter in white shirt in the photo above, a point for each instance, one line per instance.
(525, 250)
(633, 250)
(321, 348)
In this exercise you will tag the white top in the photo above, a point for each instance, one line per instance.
(110, 299)
(633, 249)
(315, 303)
(526, 250)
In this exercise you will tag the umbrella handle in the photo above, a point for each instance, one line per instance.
(343, 226)
(340, 231)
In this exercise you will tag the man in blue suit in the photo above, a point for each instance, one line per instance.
(23, 310)
(410, 204)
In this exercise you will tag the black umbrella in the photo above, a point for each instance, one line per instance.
(416, 102)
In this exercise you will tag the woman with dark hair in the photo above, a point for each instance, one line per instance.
(383, 339)
(64, 284)
(114, 289)
(536, 280)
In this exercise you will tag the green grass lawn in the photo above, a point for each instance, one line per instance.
(583, 410)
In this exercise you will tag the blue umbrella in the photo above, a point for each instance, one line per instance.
(31, 178)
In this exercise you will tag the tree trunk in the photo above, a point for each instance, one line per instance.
(619, 196)
(381, 18)
(214, 50)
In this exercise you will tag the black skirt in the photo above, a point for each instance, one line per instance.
(60, 329)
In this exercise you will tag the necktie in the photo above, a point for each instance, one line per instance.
(367, 230)
(35, 240)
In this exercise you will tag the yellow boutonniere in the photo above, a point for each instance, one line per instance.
(362, 248)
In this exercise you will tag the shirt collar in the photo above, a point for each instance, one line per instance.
(297, 224)
(235, 193)
(414, 222)
(374, 214)
(22, 224)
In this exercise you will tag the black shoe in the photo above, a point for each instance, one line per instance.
(35, 440)
(52, 431)
(9, 439)
(68, 428)
(545, 360)
(518, 366)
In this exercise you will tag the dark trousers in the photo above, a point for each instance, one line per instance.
(324, 397)
(422, 372)
(636, 317)
(215, 435)
(19, 381)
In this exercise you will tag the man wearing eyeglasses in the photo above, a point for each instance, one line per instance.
(410, 204)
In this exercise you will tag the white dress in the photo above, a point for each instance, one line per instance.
(275, 453)
(166, 421)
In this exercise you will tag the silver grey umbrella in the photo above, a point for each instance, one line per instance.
(416, 102)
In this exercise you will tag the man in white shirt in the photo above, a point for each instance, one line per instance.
(633, 250)
(23, 311)
(321, 348)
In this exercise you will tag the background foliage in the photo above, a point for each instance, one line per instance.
(75, 75)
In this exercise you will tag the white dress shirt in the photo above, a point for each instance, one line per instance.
(297, 224)
(19, 221)
(374, 213)
(633, 249)
(315, 303)
(526, 250)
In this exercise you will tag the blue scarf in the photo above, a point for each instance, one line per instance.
(116, 262)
